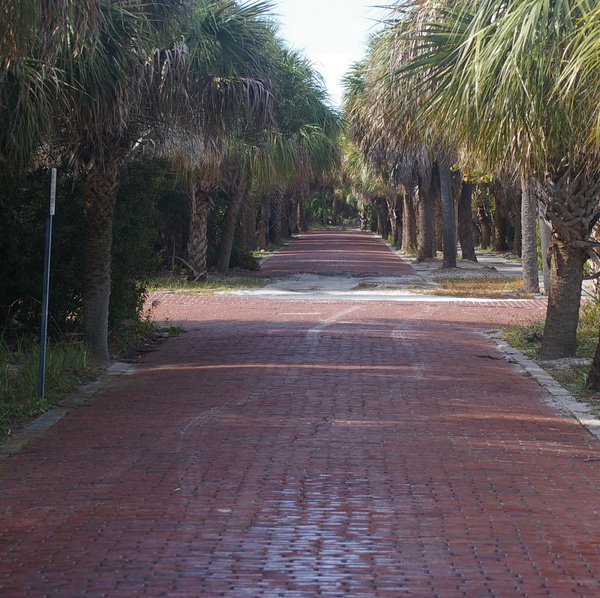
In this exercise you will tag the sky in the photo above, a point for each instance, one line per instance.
(330, 33)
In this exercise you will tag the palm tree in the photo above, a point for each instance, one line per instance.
(113, 92)
(229, 47)
(491, 70)
(381, 108)
(31, 38)
(78, 75)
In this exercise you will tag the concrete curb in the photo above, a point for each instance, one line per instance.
(81, 396)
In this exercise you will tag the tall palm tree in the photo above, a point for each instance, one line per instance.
(492, 70)
(229, 46)
(114, 91)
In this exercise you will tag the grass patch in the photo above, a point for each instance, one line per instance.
(481, 286)
(571, 374)
(528, 338)
(213, 284)
(67, 366)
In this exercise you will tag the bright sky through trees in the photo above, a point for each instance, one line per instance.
(330, 33)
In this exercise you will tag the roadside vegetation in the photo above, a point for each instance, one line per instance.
(571, 372)
(493, 287)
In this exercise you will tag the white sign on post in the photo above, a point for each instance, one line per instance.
(52, 191)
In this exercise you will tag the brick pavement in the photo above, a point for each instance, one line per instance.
(299, 449)
(329, 251)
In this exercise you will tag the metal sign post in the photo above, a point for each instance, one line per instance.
(46, 289)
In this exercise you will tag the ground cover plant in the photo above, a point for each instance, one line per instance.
(570, 373)
(178, 283)
(68, 366)
(484, 286)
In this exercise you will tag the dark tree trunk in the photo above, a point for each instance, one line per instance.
(465, 222)
(364, 216)
(201, 203)
(383, 221)
(100, 185)
(409, 224)
(517, 247)
(394, 205)
(276, 217)
(229, 226)
(249, 213)
(286, 214)
(562, 315)
(529, 212)
(425, 226)
(545, 242)
(438, 236)
(335, 207)
(293, 215)
(484, 225)
(265, 213)
(500, 218)
(302, 225)
(448, 216)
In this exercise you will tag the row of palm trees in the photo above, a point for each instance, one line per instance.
(507, 88)
(206, 83)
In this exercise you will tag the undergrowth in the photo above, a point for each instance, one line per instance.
(570, 373)
(68, 366)
(178, 283)
(481, 286)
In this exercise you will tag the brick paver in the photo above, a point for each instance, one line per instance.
(327, 251)
(291, 448)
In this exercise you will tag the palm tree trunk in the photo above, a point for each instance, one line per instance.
(545, 241)
(302, 225)
(448, 216)
(229, 226)
(276, 210)
(409, 224)
(394, 205)
(335, 207)
(100, 184)
(425, 226)
(531, 277)
(201, 203)
(486, 229)
(383, 221)
(562, 315)
(500, 193)
(293, 216)
(465, 222)
(249, 213)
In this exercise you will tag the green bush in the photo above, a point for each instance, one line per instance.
(140, 233)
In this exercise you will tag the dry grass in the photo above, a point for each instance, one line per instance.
(487, 287)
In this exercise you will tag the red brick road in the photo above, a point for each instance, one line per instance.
(336, 251)
(300, 449)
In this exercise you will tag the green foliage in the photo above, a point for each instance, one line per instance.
(22, 221)
(67, 366)
(527, 338)
(141, 232)
(135, 236)
(318, 208)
